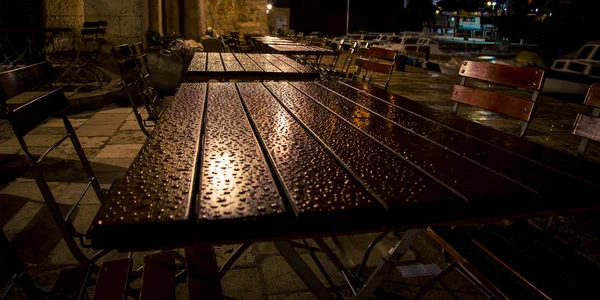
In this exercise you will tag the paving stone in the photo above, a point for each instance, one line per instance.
(100, 165)
(96, 130)
(58, 123)
(131, 116)
(86, 142)
(107, 118)
(9, 150)
(247, 259)
(130, 125)
(120, 151)
(116, 110)
(34, 140)
(68, 193)
(294, 296)
(42, 130)
(128, 137)
(242, 284)
(280, 277)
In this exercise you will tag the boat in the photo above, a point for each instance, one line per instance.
(574, 75)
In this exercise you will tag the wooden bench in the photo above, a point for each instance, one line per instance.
(516, 262)
(511, 76)
(588, 126)
(158, 275)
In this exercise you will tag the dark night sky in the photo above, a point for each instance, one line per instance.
(330, 15)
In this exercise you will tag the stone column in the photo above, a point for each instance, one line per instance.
(64, 14)
(172, 13)
(155, 20)
(191, 19)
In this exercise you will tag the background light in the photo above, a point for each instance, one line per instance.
(269, 6)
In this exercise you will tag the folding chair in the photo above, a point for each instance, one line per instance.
(36, 77)
(156, 104)
(586, 126)
(134, 83)
(376, 66)
(92, 38)
(212, 45)
(518, 77)
(363, 56)
(26, 118)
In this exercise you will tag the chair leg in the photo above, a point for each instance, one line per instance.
(455, 108)
(583, 147)
(524, 129)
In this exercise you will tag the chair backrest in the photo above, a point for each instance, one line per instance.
(212, 45)
(512, 76)
(35, 112)
(17, 81)
(586, 126)
(93, 30)
(383, 53)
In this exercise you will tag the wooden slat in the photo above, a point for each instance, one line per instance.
(112, 280)
(296, 65)
(158, 279)
(231, 63)
(70, 283)
(528, 78)
(363, 52)
(20, 80)
(593, 96)
(198, 63)
(263, 63)
(503, 104)
(202, 273)
(248, 64)
(236, 180)
(214, 63)
(360, 62)
(395, 181)
(377, 67)
(279, 130)
(587, 127)
(157, 188)
(33, 113)
(279, 64)
(385, 53)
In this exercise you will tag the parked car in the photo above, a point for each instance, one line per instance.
(318, 34)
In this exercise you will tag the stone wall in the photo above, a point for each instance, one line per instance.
(63, 14)
(246, 16)
(124, 19)
(278, 13)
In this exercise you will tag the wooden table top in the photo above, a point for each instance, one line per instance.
(246, 161)
(301, 50)
(246, 66)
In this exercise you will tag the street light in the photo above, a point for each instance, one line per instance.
(269, 6)
(347, 16)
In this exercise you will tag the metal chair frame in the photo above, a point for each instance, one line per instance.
(43, 108)
(592, 99)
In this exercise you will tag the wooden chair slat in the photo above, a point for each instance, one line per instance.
(360, 62)
(112, 280)
(71, 283)
(33, 113)
(503, 104)
(363, 52)
(202, 273)
(587, 127)
(377, 67)
(121, 51)
(384, 53)
(15, 82)
(593, 96)
(528, 78)
(158, 278)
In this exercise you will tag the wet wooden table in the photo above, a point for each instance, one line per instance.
(230, 160)
(301, 50)
(246, 66)
(274, 161)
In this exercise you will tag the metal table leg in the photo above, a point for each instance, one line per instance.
(387, 264)
(301, 268)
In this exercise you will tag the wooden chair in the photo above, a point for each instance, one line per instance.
(26, 118)
(134, 84)
(156, 104)
(374, 64)
(586, 126)
(363, 56)
(519, 77)
(212, 45)
(515, 262)
(160, 274)
(35, 77)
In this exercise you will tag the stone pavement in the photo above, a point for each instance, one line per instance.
(111, 139)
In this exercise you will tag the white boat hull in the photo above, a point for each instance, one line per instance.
(562, 86)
